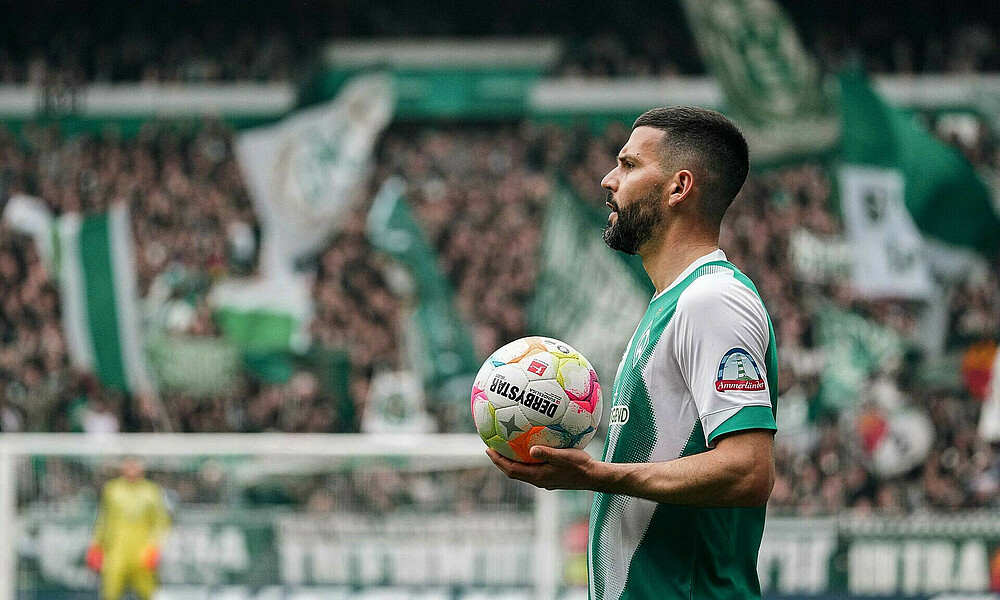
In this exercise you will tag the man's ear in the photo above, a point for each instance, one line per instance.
(679, 187)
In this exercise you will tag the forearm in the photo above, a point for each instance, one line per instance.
(738, 472)
(707, 479)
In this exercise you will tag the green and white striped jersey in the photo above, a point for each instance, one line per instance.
(702, 363)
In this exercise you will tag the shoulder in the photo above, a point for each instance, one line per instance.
(721, 306)
(111, 489)
(720, 295)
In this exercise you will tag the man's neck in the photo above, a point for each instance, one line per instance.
(674, 252)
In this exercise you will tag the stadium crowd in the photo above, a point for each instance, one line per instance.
(70, 44)
(470, 186)
(965, 48)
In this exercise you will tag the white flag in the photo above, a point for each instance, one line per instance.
(95, 269)
(888, 250)
(989, 414)
(306, 172)
(29, 215)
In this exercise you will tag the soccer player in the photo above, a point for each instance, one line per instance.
(687, 467)
(131, 522)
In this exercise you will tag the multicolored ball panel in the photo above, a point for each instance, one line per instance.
(536, 391)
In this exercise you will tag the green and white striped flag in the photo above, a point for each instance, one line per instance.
(939, 188)
(265, 315)
(266, 320)
(100, 309)
(772, 86)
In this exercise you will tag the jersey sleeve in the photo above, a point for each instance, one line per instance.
(722, 337)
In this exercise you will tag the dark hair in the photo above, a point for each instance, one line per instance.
(711, 139)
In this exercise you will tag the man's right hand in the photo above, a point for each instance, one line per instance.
(150, 557)
(94, 558)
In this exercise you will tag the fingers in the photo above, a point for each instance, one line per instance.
(504, 464)
(553, 455)
(497, 458)
(512, 469)
(557, 468)
(542, 453)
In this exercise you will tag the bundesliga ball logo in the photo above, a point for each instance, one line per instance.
(536, 391)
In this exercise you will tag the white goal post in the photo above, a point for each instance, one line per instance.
(460, 450)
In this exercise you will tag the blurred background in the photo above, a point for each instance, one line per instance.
(306, 217)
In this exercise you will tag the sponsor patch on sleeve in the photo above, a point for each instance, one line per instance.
(738, 372)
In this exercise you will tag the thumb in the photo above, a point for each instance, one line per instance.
(547, 454)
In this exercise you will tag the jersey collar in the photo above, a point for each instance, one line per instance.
(714, 255)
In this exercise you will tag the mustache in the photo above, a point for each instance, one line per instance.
(611, 201)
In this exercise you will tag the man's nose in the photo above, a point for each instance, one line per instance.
(610, 182)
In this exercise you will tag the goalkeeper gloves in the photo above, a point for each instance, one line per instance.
(150, 557)
(94, 558)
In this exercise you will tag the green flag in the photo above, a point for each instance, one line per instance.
(266, 319)
(942, 191)
(444, 350)
(772, 87)
(854, 348)
(587, 294)
(200, 366)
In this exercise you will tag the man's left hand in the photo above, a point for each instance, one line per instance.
(561, 469)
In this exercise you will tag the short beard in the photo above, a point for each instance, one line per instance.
(637, 223)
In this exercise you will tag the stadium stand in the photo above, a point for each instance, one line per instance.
(188, 199)
(98, 111)
(75, 43)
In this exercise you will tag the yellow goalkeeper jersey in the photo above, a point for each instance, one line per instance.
(132, 514)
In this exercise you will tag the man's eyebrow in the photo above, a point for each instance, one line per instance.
(623, 155)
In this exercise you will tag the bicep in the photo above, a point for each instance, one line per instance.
(752, 443)
(750, 452)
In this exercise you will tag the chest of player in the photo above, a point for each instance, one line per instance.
(632, 411)
(636, 358)
(131, 504)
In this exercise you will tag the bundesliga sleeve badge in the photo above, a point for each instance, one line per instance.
(738, 372)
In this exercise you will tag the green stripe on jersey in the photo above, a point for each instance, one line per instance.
(748, 417)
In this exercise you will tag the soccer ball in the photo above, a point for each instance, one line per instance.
(536, 391)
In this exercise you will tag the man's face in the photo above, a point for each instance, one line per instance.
(132, 469)
(635, 192)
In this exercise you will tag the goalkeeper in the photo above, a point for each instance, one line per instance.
(131, 522)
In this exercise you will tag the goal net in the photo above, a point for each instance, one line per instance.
(296, 517)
